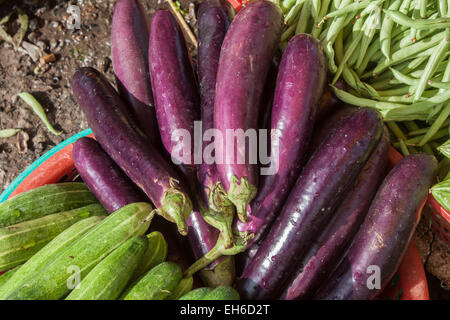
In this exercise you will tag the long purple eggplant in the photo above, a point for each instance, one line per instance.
(213, 22)
(325, 253)
(129, 54)
(174, 85)
(300, 82)
(320, 133)
(320, 188)
(383, 238)
(133, 153)
(103, 176)
(245, 58)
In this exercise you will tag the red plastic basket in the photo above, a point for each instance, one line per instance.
(438, 216)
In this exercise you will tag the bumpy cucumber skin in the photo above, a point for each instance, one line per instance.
(60, 243)
(108, 279)
(51, 282)
(222, 293)
(196, 294)
(182, 288)
(157, 284)
(45, 200)
(155, 254)
(4, 278)
(21, 241)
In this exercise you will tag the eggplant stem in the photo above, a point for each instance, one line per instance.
(240, 244)
(176, 208)
(241, 193)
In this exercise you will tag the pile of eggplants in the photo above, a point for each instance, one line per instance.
(314, 228)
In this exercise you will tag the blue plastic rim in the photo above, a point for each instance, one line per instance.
(17, 181)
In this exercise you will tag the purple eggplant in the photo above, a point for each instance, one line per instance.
(380, 243)
(268, 96)
(129, 54)
(320, 188)
(133, 153)
(326, 126)
(174, 86)
(213, 23)
(325, 253)
(103, 176)
(245, 58)
(300, 82)
(320, 133)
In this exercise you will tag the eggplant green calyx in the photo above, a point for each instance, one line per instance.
(241, 239)
(241, 193)
(221, 214)
(176, 208)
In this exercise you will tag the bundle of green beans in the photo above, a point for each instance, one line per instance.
(392, 54)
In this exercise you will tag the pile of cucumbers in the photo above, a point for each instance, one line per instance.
(58, 243)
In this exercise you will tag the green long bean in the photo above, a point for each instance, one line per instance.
(386, 29)
(443, 116)
(431, 65)
(418, 24)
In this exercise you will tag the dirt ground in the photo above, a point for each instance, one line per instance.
(90, 46)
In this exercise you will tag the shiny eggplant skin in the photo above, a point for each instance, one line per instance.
(245, 58)
(300, 83)
(213, 22)
(131, 151)
(383, 238)
(329, 248)
(327, 125)
(129, 55)
(320, 188)
(174, 85)
(103, 176)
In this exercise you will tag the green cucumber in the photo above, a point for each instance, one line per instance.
(108, 279)
(59, 277)
(155, 254)
(157, 284)
(20, 241)
(183, 287)
(48, 253)
(7, 275)
(196, 294)
(45, 200)
(222, 293)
